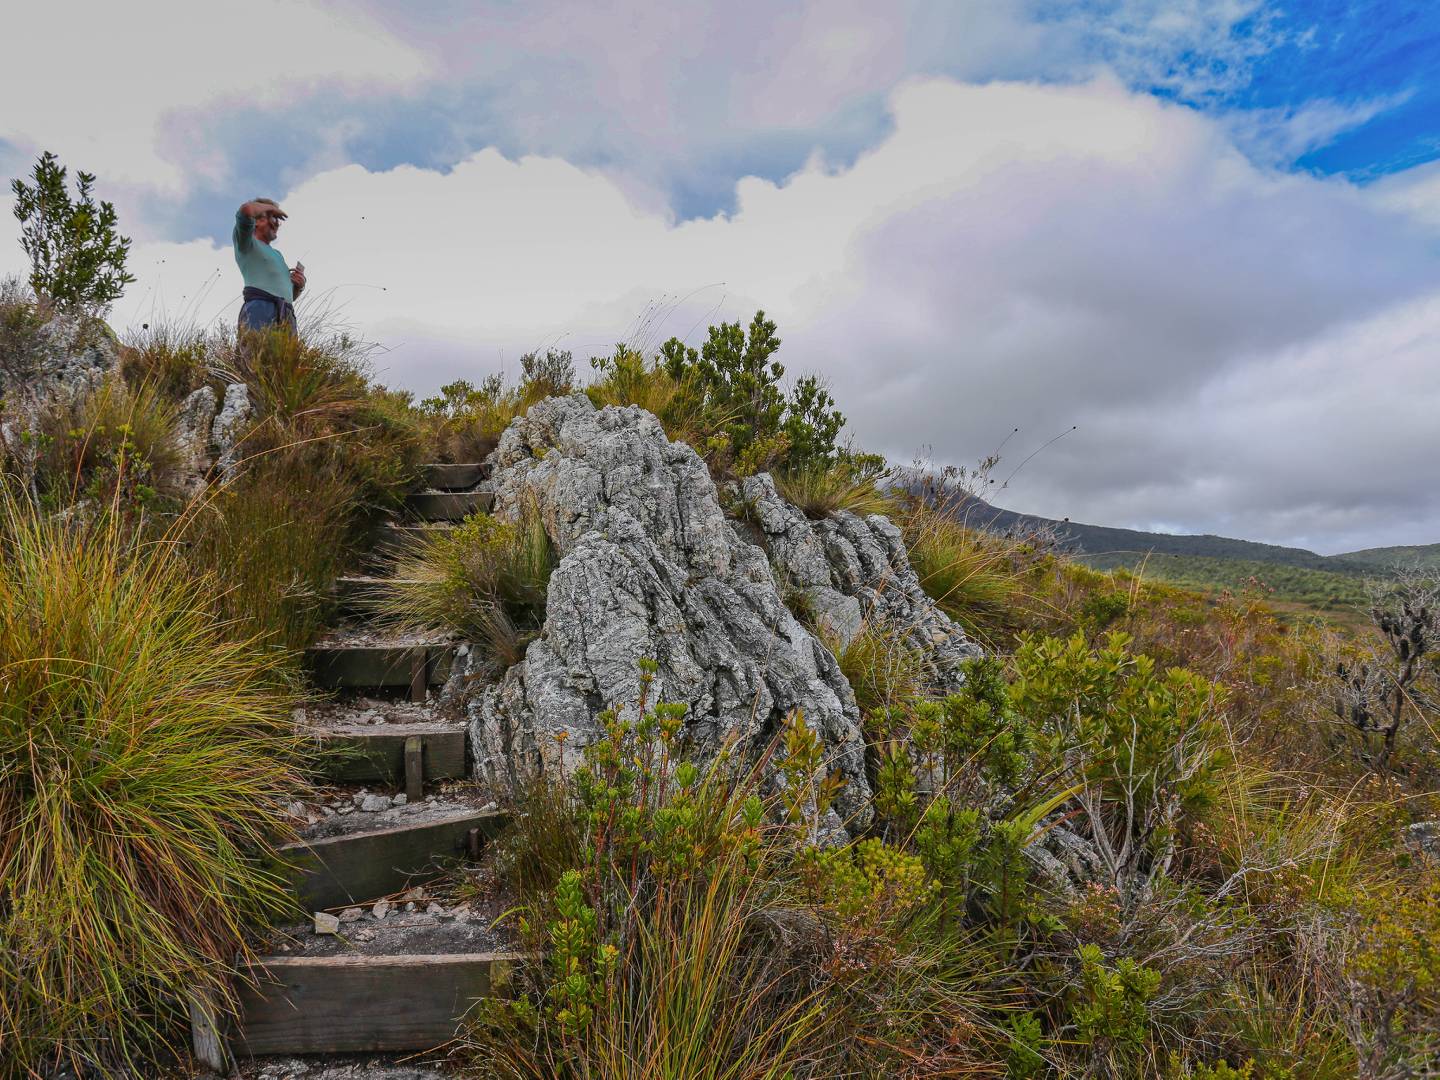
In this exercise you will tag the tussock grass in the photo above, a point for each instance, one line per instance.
(486, 579)
(882, 668)
(820, 492)
(144, 755)
(172, 358)
(275, 539)
(299, 385)
(973, 577)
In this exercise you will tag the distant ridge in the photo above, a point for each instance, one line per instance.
(1103, 545)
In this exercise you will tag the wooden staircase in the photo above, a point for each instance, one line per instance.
(382, 967)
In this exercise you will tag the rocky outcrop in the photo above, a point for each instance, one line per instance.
(853, 571)
(650, 568)
(59, 360)
(231, 424)
(47, 365)
(193, 425)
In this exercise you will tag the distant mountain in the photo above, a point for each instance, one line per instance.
(1103, 545)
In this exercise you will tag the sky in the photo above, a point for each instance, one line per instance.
(1203, 235)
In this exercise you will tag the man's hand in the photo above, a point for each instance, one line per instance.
(297, 279)
(257, 210)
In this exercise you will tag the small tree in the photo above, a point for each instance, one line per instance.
(77, 259)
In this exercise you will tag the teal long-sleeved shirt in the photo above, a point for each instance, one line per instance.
(261, 265)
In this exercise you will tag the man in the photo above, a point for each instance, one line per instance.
(271, 287)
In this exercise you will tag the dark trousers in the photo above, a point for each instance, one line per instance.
(261, 310)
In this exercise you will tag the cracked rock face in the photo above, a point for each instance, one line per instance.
(231, 423)
(854, 571)
(650, 567)
(67, 356)
(192, 437)
(63, 359)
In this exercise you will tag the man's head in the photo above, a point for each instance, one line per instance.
(267, 226)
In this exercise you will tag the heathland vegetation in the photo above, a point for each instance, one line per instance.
(1252, 892)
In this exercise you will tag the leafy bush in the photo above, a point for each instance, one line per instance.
(77, 258)
(115, 446)
(465, 422)
(143, 758)
(751, 425)
(691, 936)
(548, 375)
(1143, 747)
(677, 400)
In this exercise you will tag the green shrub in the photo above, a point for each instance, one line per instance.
(143, 764)
(1144, 747)
(676, 400)
(750, 424)
(77, 258)
(464, 422)
(1111, 1008)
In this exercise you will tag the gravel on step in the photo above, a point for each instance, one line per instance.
(376, 637)
(348, 1067)
(367, 811)
(395, 931)
(367, 711)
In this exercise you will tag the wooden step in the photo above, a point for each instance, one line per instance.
(335, 665)
(395, 536)
(448, 505)
(338, 1004)
(368, 752)
(372, 862)
(446, 477)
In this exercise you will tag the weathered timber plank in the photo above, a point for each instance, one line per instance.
(444, 477)
(394, 538)
(333, 666)
(414, 769)
(359, 867)
(207, 1041)
(448, 505)
(378, 753)
(314, 1005)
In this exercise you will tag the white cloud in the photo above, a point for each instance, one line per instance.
(1415, 192)
(1242, 350)
(93, 82)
